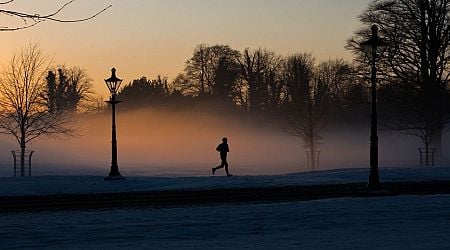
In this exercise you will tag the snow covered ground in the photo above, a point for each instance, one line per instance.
(41, 185)
(402, 222)
(405, 222)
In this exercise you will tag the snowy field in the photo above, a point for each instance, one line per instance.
(405, 222)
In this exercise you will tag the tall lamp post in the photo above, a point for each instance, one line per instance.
(113, 84)
(373, 48)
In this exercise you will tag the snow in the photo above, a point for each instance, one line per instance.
(402, 222)
(43, 185)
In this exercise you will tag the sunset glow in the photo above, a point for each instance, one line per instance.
(147, 38)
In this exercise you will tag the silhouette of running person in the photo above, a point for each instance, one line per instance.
(223, 149)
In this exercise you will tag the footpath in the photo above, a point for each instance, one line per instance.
(214, 196)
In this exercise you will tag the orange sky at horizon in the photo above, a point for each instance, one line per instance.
(147, 38)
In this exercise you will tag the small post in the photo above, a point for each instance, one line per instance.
(318, 157)
(307, 156)
(15, 162)
(29, 162)
(420, 156)
(432, 157)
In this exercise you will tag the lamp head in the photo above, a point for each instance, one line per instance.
(375, 46)
(113, 83)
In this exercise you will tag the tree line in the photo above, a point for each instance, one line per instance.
(253, 81)
(296, 90)
(303, 93)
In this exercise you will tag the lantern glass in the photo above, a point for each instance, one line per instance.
(113, 83)
(374, 47)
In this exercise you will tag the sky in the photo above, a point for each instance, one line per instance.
(156, 37)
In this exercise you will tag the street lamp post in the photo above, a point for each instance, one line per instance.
(113, 84)
(373, 50)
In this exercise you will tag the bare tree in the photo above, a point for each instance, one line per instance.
(338, 75)
(225, 79)
(309, 103)
(206, 62)
(416, 63)
(30, 20)
(23, 110)
(259, 70)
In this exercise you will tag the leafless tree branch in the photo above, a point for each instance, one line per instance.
(23, 113)
(31, 20)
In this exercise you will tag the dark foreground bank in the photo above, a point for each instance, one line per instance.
(176, 198)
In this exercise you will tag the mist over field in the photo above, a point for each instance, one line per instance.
(172, 143)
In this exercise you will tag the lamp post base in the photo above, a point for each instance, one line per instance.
(373, 186)
(114, 178)
(374, 180)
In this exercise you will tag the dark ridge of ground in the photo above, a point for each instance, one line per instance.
(180, 198)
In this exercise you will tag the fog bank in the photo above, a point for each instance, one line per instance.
(171, 143)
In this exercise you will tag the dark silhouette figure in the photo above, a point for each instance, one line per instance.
(223, 149)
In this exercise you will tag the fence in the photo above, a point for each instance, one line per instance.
(313, 160)
(426, 156)
(27, 161)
